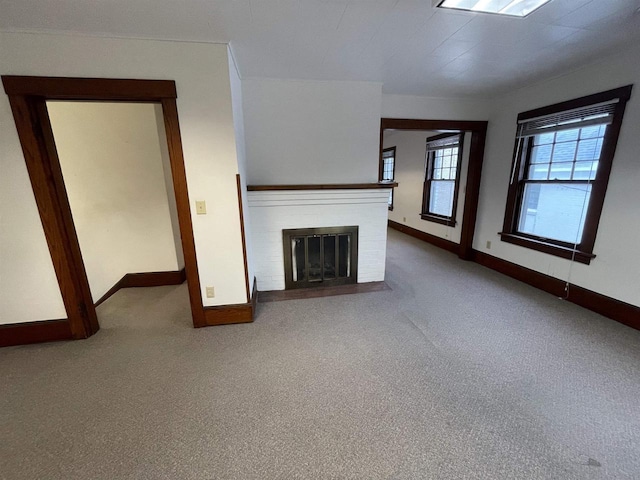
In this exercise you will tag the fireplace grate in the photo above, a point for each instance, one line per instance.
(320, 256)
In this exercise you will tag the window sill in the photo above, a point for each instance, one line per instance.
(546, 247)
(450, 222)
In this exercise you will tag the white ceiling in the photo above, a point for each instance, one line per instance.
(410, 46)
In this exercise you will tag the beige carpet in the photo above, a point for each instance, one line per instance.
(457, 373)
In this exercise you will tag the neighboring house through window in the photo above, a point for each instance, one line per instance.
(388, 169)
(563, 158)
(442, 178)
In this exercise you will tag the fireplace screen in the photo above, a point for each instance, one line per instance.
(320, 256)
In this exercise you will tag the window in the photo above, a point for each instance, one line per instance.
(442, 178)
(561, 166)
(388, 169)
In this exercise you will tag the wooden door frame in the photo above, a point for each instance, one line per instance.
(27, 97)
(478, 131)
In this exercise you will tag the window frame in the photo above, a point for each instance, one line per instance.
(381, 171)
(449, 221)
(583, 252)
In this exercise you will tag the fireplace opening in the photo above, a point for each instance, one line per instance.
(320, 256)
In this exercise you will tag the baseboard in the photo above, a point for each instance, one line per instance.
(147, 279)
(596, 302)
(229, 314)
(153, 279)
(426, 237)
(34, 332)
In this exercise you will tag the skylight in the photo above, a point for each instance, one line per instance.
(514, 8)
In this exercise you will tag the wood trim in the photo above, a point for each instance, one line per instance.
(326, 186)
(34, 132)
(303, 293)
(623, 93)
(153, 279)
(176, 158)
(550, 248)
(70, 88)
(228, 314)
(35, 332)
(145, 279)
(254, 297)
(472, 193)
(244, 238)
(609, 307)
(416, 124)
(426, 237)
(27, 97)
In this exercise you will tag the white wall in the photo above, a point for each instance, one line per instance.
(238, 122)
(614, 272)
(311, 131)
(433, 108)
(112, 167)
(409, 173)
(29, 290)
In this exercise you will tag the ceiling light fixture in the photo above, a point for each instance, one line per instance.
(513, 8)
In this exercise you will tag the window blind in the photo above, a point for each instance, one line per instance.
(597, 114)
(443, 143)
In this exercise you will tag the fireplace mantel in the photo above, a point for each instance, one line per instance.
(324, 186)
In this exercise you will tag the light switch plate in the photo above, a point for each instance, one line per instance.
(211, 293)
(201, 207)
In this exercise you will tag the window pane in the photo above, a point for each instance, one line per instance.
(588, 150)
(564, 152)
(437, 173)
(541, 154)
(554, 211)
(590, 132)
(538, 172)
(585, 170)
(561, 171)
(567, 135)
(441, 198)
(544, 138)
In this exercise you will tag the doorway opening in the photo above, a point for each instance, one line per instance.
(28, 97)
(438, 165)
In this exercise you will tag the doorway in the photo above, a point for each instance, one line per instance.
(447, 185)
(28, 98)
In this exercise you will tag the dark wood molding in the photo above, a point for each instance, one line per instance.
(623, 93)
(426, 237)
(243, 236)
(230, 314)
(68, 88)
(449, 222)
(153, 279)
(478, 131)
(176, 158)
(550, 248)
(417, 124)
(27, 97)
(302, 293)
(34, 332)
(472, 192)
(602, 304)
(146, 279)
(325, 186)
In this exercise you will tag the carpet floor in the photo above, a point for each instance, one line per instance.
(457, 372)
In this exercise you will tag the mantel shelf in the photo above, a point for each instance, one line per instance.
(325, 186)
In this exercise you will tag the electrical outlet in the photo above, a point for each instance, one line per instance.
(488, 244)
(201, 207)
(404, 219)
(211, 293)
